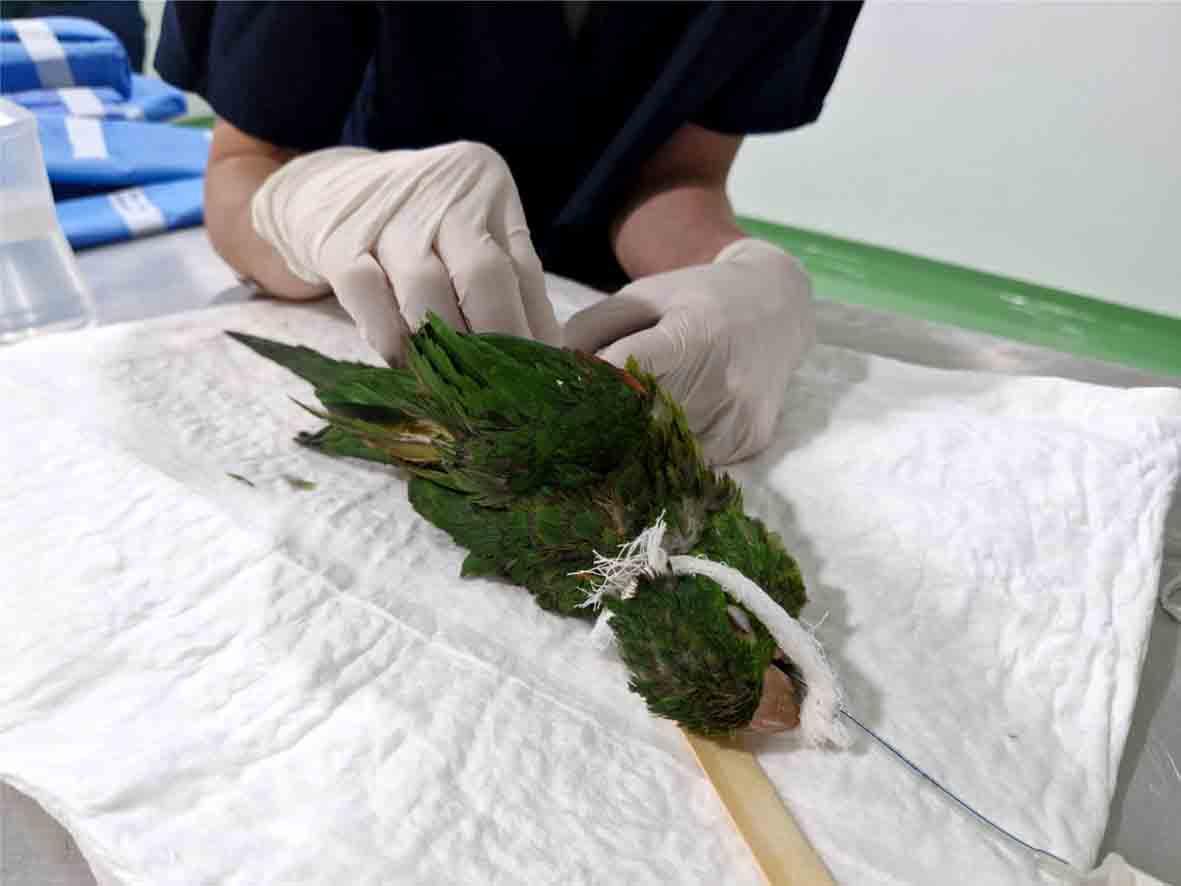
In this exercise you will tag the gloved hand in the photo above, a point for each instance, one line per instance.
(721, 338)
(400, 233)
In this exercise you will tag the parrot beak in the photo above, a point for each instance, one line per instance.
(779, 707)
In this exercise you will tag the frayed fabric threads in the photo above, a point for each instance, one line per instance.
(618, 576)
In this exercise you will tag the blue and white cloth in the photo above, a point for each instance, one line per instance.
(150, 99)
(114, 176)
(131, 213)
(55, 53)
(84, 155)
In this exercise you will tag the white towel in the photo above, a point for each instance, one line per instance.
(214, 681)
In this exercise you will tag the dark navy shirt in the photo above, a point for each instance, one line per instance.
(574, 116)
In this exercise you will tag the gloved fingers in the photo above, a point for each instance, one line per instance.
(709, 407)
(420, 282)
(727, 434)
(745, 422)
(512, 233)
(718, 449)
(711, 412)
(365, 293)
(729, 425)
(483, 278)
(613, 319)
(539, 310)
(655, 348)
(736, 434)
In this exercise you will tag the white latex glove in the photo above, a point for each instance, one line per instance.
(401, 233)
(721, 338)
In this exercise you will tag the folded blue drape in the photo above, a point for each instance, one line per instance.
(130, 213)
(52, 53)
(84, 155)
(150, 99)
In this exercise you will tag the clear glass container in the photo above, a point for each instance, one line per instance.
(41, 289)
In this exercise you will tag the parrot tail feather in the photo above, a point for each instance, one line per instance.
(409, 442)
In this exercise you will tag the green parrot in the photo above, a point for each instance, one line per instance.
(534, 458)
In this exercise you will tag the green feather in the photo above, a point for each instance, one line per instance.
(534, 458)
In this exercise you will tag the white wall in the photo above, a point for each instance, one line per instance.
(153, 11)
(1037, 140)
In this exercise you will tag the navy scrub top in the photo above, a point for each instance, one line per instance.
(574, 116)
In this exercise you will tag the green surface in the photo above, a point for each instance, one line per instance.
(846, 271)
(196, 121)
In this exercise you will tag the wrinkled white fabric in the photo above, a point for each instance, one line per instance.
(1115, 871)
(1170, 595)
(399, 233)
(214, 682)
(720, 338)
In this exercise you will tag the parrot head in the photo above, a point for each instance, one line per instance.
(699, 658)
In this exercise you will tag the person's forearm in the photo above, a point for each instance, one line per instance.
(681, 225)
(237, 169)
(678, 213)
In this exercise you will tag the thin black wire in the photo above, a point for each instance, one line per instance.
(919, 771)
